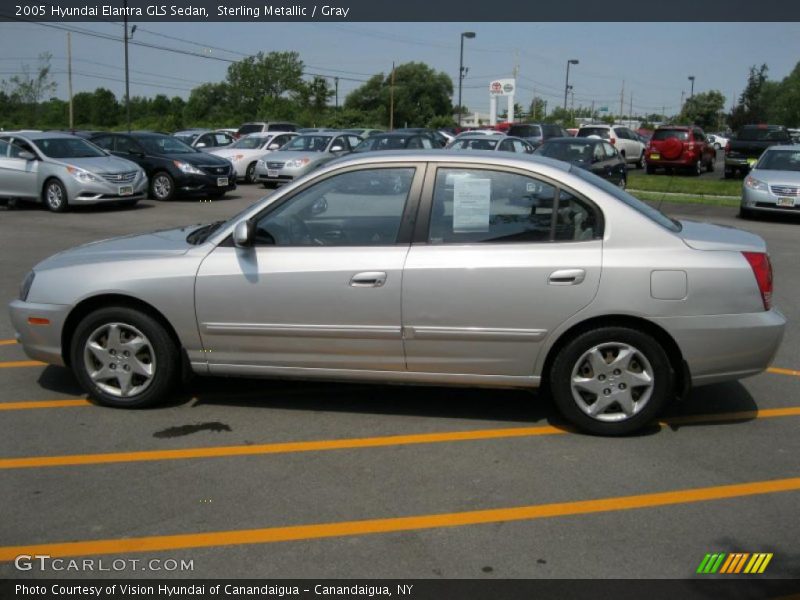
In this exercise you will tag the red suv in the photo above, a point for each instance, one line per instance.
(680, 147)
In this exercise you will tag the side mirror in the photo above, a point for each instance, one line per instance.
(200, 145)
(319, 206)
(337, 148)
(25, 155)
(273, 146)
(243, 234)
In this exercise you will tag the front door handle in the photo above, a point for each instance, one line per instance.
(566, 277)
(368, 279)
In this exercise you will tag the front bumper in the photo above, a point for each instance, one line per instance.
(97, 192)
(187, 183)
(765, 200)
(726, 347)
(40, 342)
(264, 174)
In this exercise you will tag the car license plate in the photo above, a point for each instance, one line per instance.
(655, 156)
(272, 173)
(126, 190)
(751, 162)
(222, 181)
(786, 202)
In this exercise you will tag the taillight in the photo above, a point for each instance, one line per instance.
(762, 269)
(613, 141)
(728, 148)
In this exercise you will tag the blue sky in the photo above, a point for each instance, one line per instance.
(653, 59)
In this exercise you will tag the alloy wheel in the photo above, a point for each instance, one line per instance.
(119, 359)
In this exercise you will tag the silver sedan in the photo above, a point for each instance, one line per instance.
(773, 185)
(60, 170)
(446, 268)
(302, 155)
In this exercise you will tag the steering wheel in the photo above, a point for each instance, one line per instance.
(299, 233)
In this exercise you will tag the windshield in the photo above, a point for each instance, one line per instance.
(624, 197)
(567, 151)
(187, 138)
(602, 132)
(780, 160)
(762, 134)
(308, 143)
(164, 144)
(68, 148)
(251, 143)
(665, 134)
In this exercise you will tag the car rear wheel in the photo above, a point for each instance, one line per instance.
(611, 380)
(250, 174)
(124, 358)
(162, 186)
(55, 196)
(642, 161)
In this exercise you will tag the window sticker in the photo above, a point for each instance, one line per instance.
(471, 204)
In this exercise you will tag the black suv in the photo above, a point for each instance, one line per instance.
(171, 166)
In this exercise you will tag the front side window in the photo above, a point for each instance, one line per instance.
(476, 205)
(357, 208)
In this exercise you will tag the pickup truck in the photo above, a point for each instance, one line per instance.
(744, 148)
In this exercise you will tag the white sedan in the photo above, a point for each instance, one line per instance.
(245, 152)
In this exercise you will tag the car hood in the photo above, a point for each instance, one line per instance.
(101, 164)
(167, 242)
(199, 159)
(707, 236)
(776, 177)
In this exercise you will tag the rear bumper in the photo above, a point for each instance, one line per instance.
(40, 342)
(724, 347)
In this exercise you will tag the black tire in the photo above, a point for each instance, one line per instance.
(647, 352)
(250, 173)
(697, 168)
(642, 162)
(746, 213)
(54, 196)
(161, 352)
(162, 186)
(651, 170)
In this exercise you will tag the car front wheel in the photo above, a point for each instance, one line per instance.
(642, 162)
(162, 187)
(611, 380)
(55, 196)
(124, 358)
(250, 174)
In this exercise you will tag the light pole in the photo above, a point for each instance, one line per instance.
(571, 61)
(469, 35)
(691, 78)
(127, 79)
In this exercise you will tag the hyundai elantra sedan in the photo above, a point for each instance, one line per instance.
(446, 268)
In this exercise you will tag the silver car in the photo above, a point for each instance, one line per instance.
(62, 170)
(437, 267)
(773, 185)
(302, 155)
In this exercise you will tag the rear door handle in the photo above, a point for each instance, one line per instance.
(566, 277)
(368, 279)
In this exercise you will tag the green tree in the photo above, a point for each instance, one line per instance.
(256, 83)
(752, 104)
(104, 108)
(785, 106)
(420, 94)
(26, 90)
(536, 109)
(208, 103)
(703, 109)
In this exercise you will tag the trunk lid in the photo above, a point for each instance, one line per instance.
(707, 236)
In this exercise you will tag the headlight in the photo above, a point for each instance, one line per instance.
(187, 168)
(236, 158)
(25, 286)
(297, 163)
(261, 164)
(81, 175)
(755, 184)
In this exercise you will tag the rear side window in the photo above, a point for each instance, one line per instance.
(525, 131)
(664, 134)
(602, 132)
(484, 206)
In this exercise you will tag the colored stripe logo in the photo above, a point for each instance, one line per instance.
(734, 563)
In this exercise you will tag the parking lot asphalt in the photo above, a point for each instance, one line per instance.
(255, 478)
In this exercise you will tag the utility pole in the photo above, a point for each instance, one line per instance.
(391, 101)
(630, 110)
(69, 80)
(336, 86)
(544, 116)
(621, 98)
(592, 115)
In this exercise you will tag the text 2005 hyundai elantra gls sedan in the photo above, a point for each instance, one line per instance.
(429, 268)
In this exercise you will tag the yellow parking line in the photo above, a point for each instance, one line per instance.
(7, 342)
(778, 371)
(21, 363)
(351, 443)
(44, 404)
(395, 524)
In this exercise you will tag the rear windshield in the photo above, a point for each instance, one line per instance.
(602, 132)
(476, 143)
(552, 130)
(568, 151)
(250, 128)
(759, 134)
(665, 134)
(780, 160)
(525, 131)
(624, 197)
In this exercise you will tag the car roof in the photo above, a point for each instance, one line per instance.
(680, 127)
(573, 140)
(39, 135)
(488, 157)
(599, 125)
